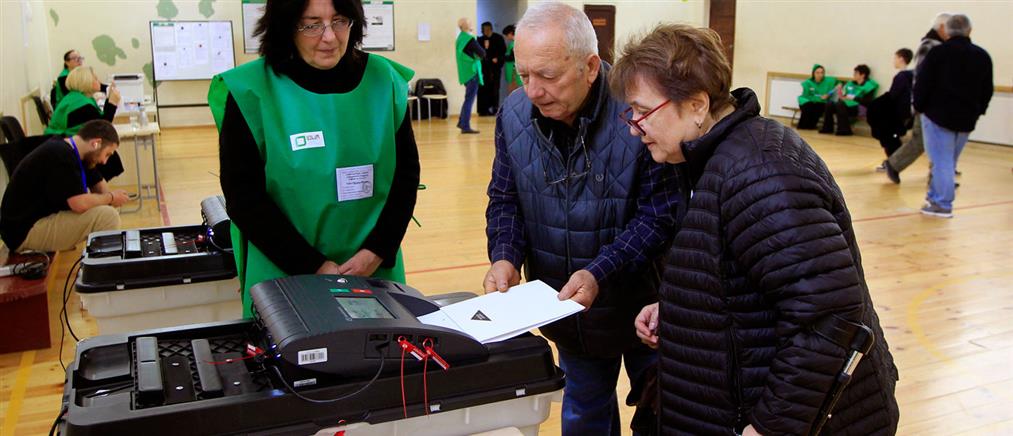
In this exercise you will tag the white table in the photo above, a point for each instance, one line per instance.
(142, 136)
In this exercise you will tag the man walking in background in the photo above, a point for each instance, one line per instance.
(492, 70)
(953, 89)
(469, 56)
(913, 148)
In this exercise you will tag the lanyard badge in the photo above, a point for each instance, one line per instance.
(80, 164)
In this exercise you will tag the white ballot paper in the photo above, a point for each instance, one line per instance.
(502, 315)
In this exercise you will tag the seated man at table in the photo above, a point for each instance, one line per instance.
(56, 197)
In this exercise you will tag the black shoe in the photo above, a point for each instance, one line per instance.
(826, 131)
(844, 133)
(891, 172)
(469, 131)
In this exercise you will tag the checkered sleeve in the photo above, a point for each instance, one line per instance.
(504, 219)
(651, 229)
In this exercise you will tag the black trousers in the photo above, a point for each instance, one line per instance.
(488, 94)
(810, 115)
(843, 114)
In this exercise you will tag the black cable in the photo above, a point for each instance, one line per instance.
(343, 397)
(56, 422)
(63, 312)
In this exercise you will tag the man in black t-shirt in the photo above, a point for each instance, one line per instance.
(55, 197)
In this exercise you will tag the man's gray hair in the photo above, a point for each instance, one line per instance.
(940, 19)
(958, 25)
(579, 36)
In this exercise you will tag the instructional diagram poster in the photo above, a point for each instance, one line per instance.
(379, 26)
(252, 11)
(191, 50)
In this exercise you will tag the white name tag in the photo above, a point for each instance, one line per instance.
(302, 141)
(355, 182)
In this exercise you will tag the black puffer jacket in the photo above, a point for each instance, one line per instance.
(765, 250)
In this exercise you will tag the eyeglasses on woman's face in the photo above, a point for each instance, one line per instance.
(627, 116)
(338, 26)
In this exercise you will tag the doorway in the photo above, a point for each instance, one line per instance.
(603, 19)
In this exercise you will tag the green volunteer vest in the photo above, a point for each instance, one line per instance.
(57, 89)
(859, 91)
(71, 102)
(467, 66)
(510, 69)
(305, 139)
(811, 91)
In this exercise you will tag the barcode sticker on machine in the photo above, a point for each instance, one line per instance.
(316, 355)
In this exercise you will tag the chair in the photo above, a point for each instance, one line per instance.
(45, 112)
(11, 129)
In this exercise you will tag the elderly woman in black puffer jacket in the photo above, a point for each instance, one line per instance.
(764, 261)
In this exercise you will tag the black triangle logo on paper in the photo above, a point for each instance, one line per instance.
(479, 316)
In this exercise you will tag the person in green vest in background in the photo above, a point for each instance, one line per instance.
(78, 106)
(469, 71)
(513, 80)
(71, 59)
(319, 165)
(817, 91)
(859, 91)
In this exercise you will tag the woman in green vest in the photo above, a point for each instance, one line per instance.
(78, 107)
(71, 59)
(817, 90)
(513, 80)
(318, 160)
(859, 91)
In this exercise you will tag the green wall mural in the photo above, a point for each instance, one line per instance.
(135, 43)
(167, 9)
(206, 8)
(107, 50)
(55, 17)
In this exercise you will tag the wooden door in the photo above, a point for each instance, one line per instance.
(722, 20)
(603, 19)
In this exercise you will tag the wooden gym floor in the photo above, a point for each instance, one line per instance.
(943, 288)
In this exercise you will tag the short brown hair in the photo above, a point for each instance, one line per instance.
(99, 129)
(680, 60)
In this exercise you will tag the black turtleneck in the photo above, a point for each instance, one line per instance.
(263, 223)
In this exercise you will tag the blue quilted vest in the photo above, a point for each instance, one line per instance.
(572, 206)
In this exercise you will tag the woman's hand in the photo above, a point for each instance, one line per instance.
(113, 95)
(647, 325)
(328, 267)
(364, 263)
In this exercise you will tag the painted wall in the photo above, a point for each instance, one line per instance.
(500, 13)
(791, 36)
(637, 16)
(24, 53)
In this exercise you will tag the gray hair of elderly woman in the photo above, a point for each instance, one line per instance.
(958, 25)
(580, 38)
(940, 19)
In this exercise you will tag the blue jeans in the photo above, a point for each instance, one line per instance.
(470, 91)
(943, 147)
(590, 406)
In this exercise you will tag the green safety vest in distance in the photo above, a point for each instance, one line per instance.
(510, 68)
(71, 102)
(467, 65)
(57, 89)
(310, 143)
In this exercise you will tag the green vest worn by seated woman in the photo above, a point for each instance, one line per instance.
(510, 69)
(467, 65)
(71, 102)
(311, 144)
(812, 90)
(57, 89)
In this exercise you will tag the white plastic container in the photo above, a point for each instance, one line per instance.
(524, 414)
(128, 310)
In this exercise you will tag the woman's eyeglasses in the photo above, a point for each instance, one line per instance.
(338, 25)
(627, 116)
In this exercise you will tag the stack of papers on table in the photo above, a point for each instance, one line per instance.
(502, 315)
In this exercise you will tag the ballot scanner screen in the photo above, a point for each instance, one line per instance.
(363, 308)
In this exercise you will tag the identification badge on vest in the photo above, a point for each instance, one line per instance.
(355, 183)
(302, 141)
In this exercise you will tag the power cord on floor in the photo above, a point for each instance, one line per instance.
(64, 319)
